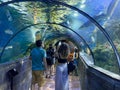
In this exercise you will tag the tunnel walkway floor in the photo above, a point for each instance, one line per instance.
(74, 83)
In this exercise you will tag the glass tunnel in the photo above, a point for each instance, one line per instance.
(93, 26)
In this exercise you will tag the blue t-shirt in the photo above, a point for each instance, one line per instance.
(37, 55)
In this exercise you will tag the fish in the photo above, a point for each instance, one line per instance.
(102, 16)
(97, 18)
(9, 15)
(9, 32)
(8, 47)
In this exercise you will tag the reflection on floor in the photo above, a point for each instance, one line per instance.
(74, 83)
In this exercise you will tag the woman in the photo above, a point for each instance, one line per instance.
(61, 80)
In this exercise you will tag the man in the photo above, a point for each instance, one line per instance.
(38, 56)
(50, 60)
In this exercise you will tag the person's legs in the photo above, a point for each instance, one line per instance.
(48, 73)
(41, 80)
(33, 80)
(53, 66)
(33, 87)
(52, 70)
(40, 88)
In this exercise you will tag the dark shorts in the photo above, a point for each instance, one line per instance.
(50, 61)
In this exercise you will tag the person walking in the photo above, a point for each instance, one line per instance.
(39, 65)
(61, 78)
(50, 60)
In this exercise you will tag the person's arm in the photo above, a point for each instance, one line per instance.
(45, 63)
(30, 58)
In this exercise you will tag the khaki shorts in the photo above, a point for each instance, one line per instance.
(38, 77)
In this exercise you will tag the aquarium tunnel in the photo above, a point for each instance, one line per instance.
(92, 26)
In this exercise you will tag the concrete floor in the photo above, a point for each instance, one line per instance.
(74, 83)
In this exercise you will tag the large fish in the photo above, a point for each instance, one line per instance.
(103, 16)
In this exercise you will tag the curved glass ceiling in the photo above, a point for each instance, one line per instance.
(19, 21)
